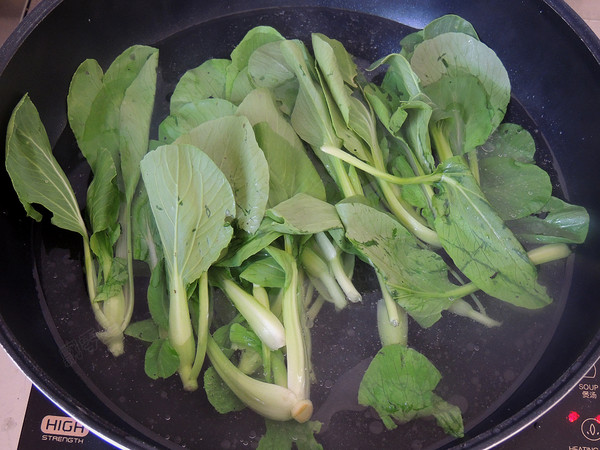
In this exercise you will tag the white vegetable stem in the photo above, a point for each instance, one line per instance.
(113, 310)
(203, 325)
(109, 313)
(297, 367)
(462, 308)
(333, 258)
(261, 294)
(295, 351)
(388, 333)
(181, 335)
(547, 253)
(393, 315)
(262, 321)
(318, 269)
(403, 214)
(269, 400)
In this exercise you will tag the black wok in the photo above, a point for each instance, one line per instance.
(502, 379)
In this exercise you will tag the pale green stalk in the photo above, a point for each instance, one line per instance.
(269, 400)
(440, 143)
(548, 253)
(462, 308)
(262, 321)
(297, 368)
(203, 325)
(402, 213)
(181, 335)
(332, 256)
(317, 268)
(260, 293)
(392, 310)
(391, 334)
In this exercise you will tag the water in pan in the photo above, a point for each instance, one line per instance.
(480, 366)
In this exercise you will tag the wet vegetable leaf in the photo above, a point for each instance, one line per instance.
(218, 393)
(192, 237)
(36, 175)
(556, 222)
(509, 141)
(267, 69)
(416, 277)
(158, 297)
(119, 116)
(144, 330)
(103, 201)
(444, 24)
(466, 63)
(462, 111)
(231, 144)
(85, 85)
(399, 385)
(291, 171)
(513, 188)
(244, 338)
(190, 115)
(161, 360)
(260, 106)
(290, 216)
(244, 246)
(254, 39)
(264, 272)
(510, 180)
(310, 117)
(205, 81)
(479, 242)
(284, 435)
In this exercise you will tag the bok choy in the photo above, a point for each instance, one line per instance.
(192, 203)
(276, 173)
(110, 117)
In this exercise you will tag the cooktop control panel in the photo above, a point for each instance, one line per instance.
(573, 424)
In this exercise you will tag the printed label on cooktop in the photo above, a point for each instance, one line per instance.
(45, 427)
(63, 426)
(588, 387)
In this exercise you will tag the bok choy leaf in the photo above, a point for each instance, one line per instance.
(192, 203)
(110, 114)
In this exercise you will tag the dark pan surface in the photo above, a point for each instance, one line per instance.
(501, 378)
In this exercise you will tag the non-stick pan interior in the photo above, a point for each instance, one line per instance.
(499, 377)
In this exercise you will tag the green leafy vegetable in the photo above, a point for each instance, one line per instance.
(399, 385)
(283, 435)
(145, 330)
(230, 143)
(110, 117)
(193, 231)
(36, 175)
(290, 170)
(219, 394)
(273, 172)
(480, 244)
(557, 221)
(192, 114)
(161, 360)
(507, 159)
(290, 216)
(450, 56)
(416, 277)
(203, 82)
